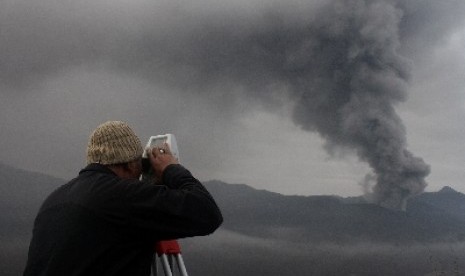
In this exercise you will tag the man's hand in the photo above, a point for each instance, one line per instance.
(160, 158)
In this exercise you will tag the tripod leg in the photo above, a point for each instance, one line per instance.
(154, 265)
(166, 265)
(181, 266)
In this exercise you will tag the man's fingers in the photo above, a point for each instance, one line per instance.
(166, 148)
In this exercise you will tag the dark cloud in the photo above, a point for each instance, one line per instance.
(426, 24)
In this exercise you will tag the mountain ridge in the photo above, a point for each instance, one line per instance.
(332, 218)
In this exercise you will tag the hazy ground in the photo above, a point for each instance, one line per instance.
(227, 253)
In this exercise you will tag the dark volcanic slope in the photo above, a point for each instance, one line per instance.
(327, 218)
(21, 194)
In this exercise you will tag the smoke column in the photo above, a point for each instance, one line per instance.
(350, 78)
(338, 61)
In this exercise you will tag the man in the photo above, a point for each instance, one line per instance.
(106, 221)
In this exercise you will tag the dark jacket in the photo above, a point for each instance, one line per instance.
(100, 224)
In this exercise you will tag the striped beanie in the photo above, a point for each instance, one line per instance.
(113, 142)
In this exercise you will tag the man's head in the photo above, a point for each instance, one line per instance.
(116, 145)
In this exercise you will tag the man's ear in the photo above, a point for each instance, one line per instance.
(134, 167)
(131, 166)
(126, 166)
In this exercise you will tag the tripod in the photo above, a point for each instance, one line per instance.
(169, 254)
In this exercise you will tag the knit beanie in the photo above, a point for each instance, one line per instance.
(113, 142)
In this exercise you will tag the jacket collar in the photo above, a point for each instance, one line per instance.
(95, 167)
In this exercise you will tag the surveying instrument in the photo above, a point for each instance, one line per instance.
(168, 253)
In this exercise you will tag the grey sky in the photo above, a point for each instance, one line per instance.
(204, 72)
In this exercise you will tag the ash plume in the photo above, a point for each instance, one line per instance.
(348, 90)
(340, 64)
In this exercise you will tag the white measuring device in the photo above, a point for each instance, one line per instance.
(159, 140)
